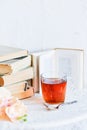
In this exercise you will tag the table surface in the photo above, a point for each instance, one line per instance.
(39, 117)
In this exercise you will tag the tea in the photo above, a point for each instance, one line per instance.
(53, 90)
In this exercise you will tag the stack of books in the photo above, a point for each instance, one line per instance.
(16, 71)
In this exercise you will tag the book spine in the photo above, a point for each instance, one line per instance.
(17, 77)
(35, 81)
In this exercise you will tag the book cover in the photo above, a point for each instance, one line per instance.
(7, 53)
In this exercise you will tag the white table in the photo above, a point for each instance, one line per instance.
(67, 117)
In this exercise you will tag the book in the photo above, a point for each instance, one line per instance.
(36, 65)
(66, 61)
(15, 65)
(25, 94)
(7, 53)
(22, 75)
(71, 63)
(21, 89)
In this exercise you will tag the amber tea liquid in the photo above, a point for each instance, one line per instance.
(53, 90)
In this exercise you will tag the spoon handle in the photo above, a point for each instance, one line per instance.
(66, 103)
(71, 102)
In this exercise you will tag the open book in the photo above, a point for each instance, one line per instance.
(64, 61)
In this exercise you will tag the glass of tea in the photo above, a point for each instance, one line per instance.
(53, 88)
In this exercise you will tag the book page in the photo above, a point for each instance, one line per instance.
(65, 62)
(70, 63)
(47, 62)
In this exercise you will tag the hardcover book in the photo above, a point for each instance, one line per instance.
(66, 61)
(7, 53)
(21, 89)
(12, 66)
(36, 65)
(22, 75)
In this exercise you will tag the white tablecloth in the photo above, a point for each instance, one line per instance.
(67, 117)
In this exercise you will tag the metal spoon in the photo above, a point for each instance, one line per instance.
(57, 107)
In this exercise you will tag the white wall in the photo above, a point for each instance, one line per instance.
(40, 24)
(37, 24)
(21, 23)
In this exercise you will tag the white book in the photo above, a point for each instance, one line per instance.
(36, 65)
(21, 64)
(21, 89)
(71, 63)
(15, 65)
(19, 76)
(65, 61)
(7, 53)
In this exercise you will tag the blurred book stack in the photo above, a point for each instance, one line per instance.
(16, 71)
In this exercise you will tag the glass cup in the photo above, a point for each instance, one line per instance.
(53, 88)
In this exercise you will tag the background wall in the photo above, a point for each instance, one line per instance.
(40, 24)
(21, 23)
